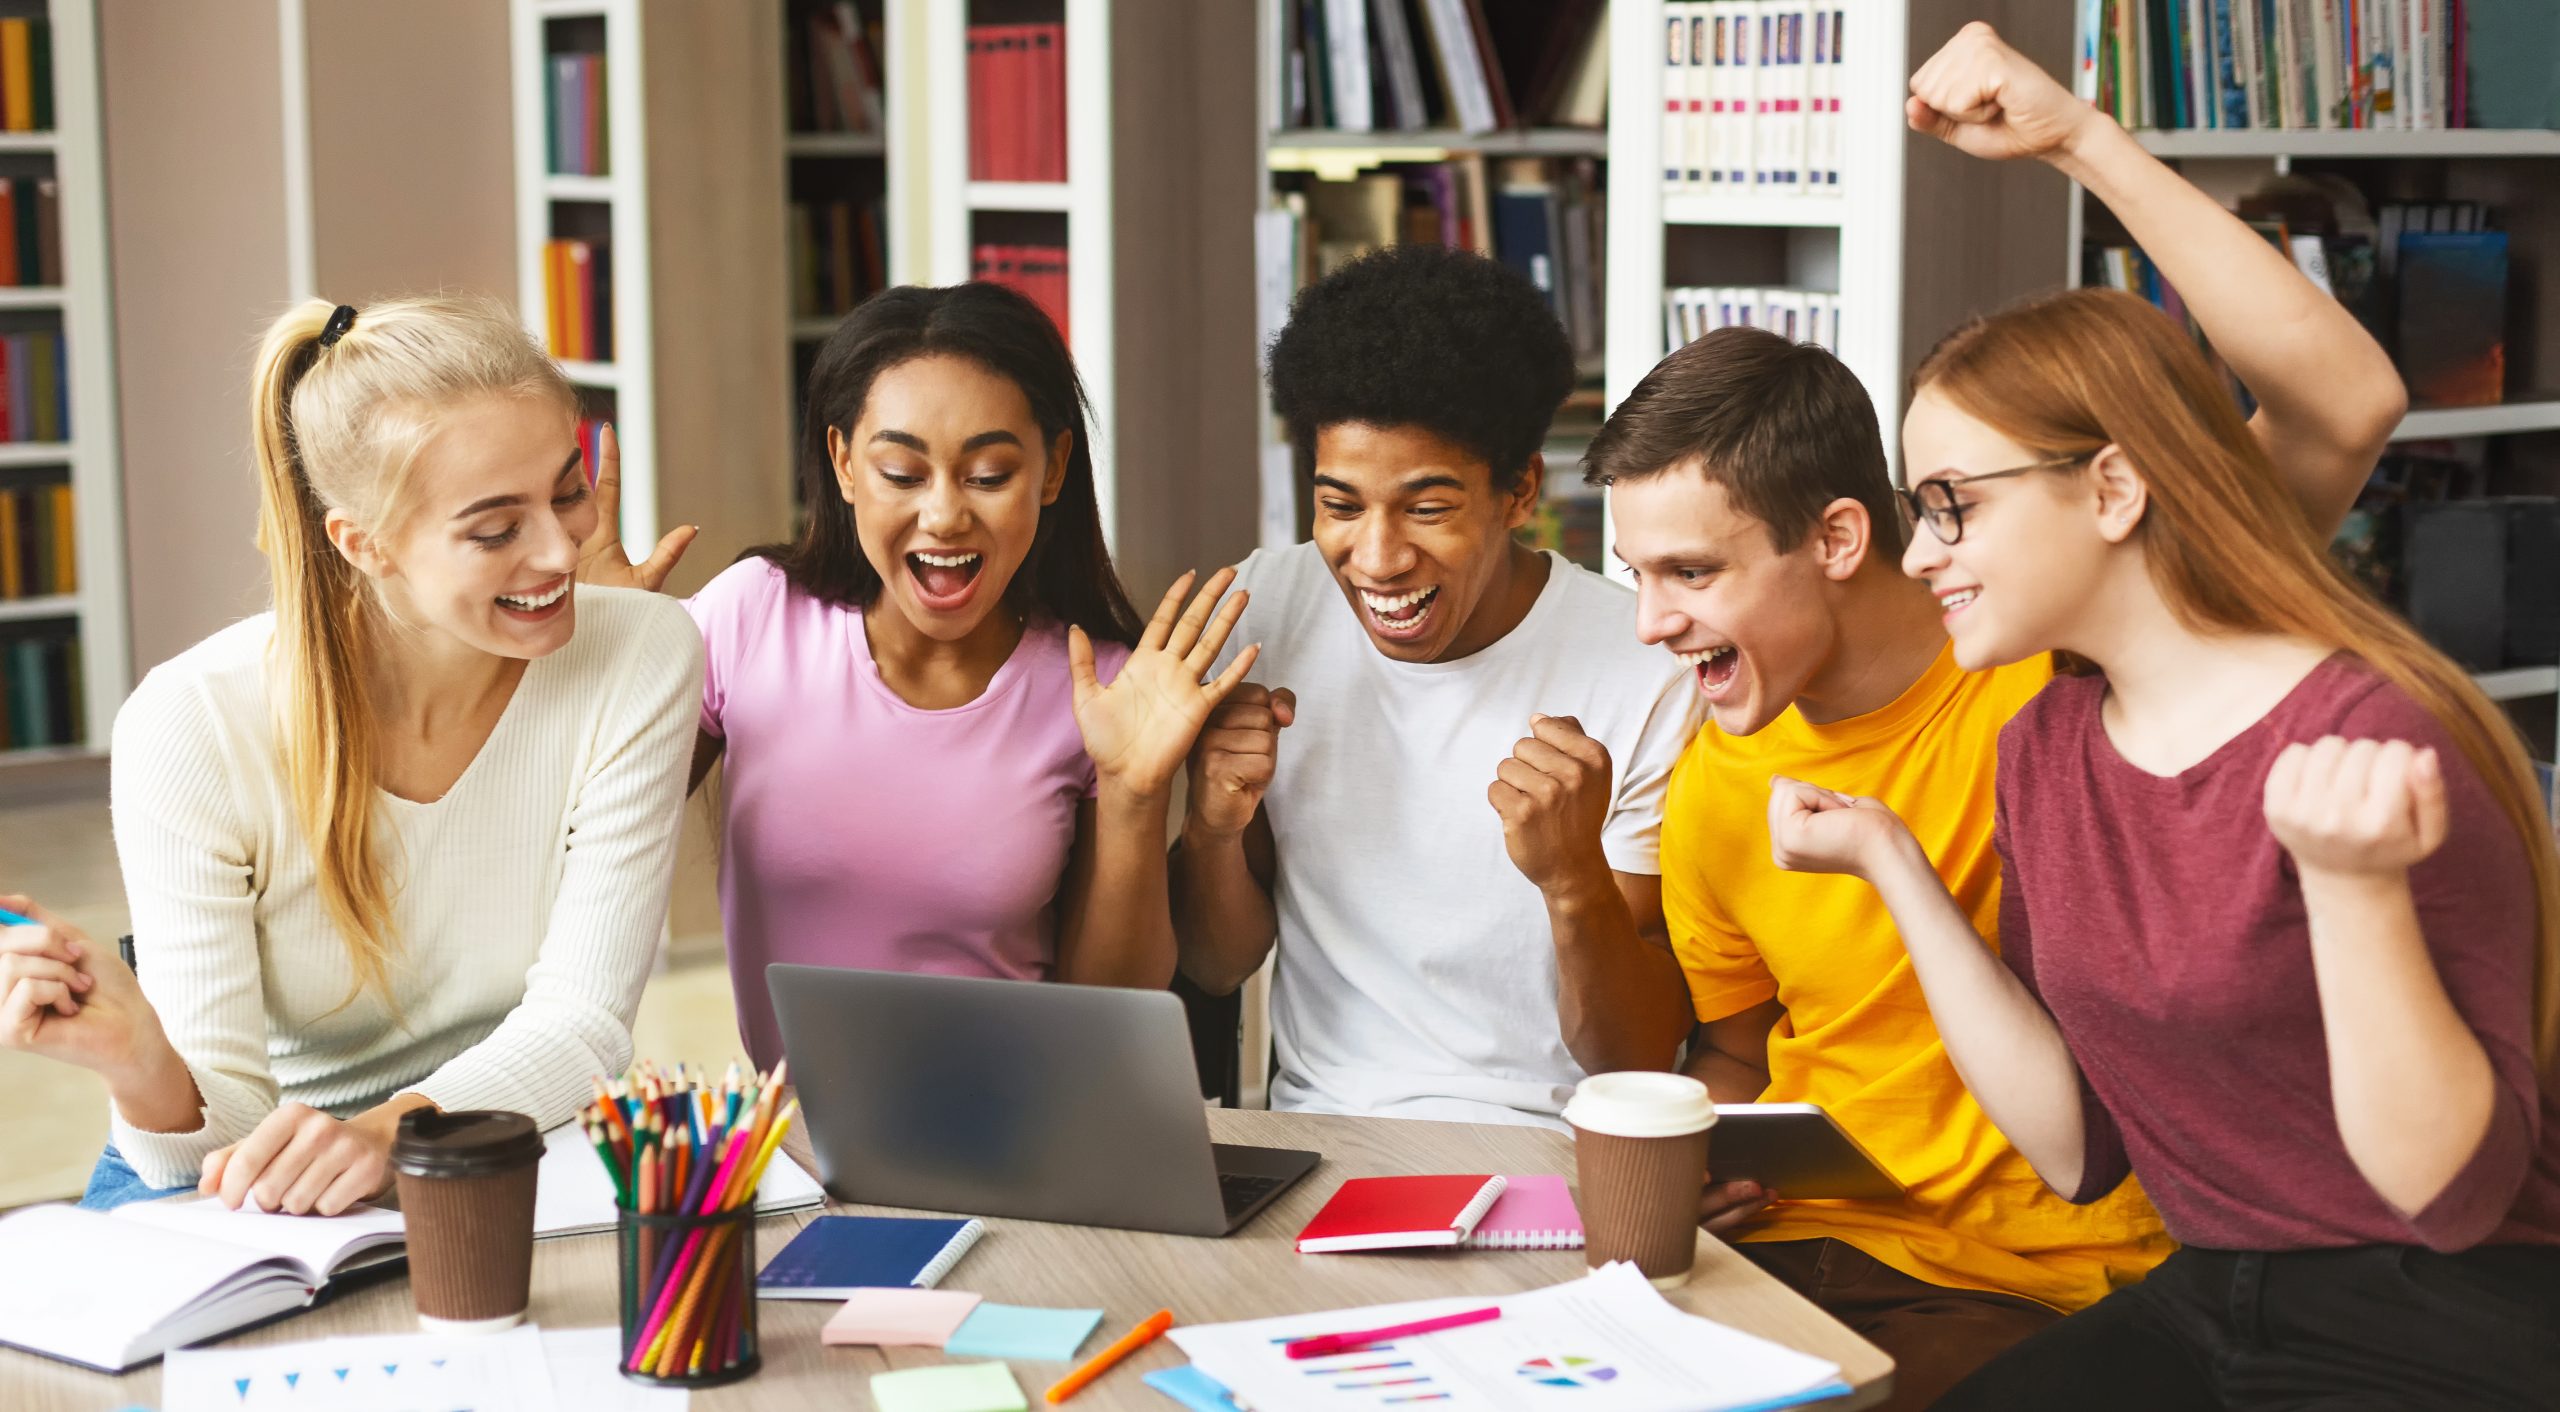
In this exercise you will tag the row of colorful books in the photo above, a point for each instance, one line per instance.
(26, 75)
(836, 256)
(1039, 271)
(35, 388)
(1542, 216)
(1751, 96)
(1018, 102)
(39, 557)
(1472, 65)
(30, 232)
(2299, 64)
(577, 281)
(835, 79)
(1797, 315)
(2429, 280)
(581, 128)
(42, 702)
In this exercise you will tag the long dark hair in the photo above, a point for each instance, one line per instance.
(1068, 574)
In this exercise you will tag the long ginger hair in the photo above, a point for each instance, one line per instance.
(2227, 545)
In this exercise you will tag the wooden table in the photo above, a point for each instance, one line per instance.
(1253, 1273)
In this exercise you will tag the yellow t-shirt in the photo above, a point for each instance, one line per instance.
(1857, 1037)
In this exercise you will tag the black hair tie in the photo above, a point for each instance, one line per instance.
(341, 319)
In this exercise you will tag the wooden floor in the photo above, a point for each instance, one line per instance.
(61, 854)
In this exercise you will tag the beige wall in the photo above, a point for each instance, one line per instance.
(412, 188)
(412, 148)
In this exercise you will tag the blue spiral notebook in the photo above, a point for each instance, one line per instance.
(835, 1255)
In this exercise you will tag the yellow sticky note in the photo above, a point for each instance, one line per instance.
(953, 1387)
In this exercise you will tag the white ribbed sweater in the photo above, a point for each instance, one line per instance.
(528, 902)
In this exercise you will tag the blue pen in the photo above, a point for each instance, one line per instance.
(12, 919)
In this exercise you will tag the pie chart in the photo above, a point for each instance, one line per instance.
(1567, 1370)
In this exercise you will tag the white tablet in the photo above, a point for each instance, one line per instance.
(1795, 1150)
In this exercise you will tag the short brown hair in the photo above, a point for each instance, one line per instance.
(1784, 427)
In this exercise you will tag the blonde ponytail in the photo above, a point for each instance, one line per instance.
(340, 427)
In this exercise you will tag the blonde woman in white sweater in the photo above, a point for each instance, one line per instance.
(406, 840)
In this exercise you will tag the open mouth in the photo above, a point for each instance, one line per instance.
(534, 607)
(946, 580)
(1716, 667)
(1401, 617)
(1950, 604)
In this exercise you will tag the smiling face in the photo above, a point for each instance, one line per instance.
(1755, 625)
(1419, 539)
(947, 474)
(487, 552)
(2035, 549)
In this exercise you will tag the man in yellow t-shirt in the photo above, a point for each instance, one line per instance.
(1750, 494)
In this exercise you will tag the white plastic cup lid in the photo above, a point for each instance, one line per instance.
(1640, 1103)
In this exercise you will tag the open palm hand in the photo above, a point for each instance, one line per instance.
(1139, 729)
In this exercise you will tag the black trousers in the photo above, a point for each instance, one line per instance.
(2375, 1326)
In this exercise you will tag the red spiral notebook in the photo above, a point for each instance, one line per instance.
(1398, 1213)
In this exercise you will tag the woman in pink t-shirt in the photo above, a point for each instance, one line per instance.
(2280, 918)
(947, 743)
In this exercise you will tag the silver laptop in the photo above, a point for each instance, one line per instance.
(1014, 1098)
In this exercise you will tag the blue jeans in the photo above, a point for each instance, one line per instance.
(114, 1183)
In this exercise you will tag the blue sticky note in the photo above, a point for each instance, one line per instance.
(1012, 1331)
(1193, 1389)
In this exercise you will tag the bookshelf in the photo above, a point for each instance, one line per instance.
(1155, 219)
(837, 121)
(1295, 159)
(2516, 443)
(1916, 238)
(687, 206)
(92, 615)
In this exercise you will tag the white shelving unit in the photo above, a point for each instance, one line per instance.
(624, 193)
(92, 456)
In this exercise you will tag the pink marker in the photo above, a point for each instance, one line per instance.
(1324, 1344)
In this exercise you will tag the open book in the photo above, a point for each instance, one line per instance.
(114, 1289)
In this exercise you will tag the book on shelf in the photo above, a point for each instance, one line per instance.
(591, 446)
(2452, 288)
(1752, 96)
(578, 300)
(835, 76)
(26, 74)
(38, 541)
(1797, 315)
(30, 232)
(837, 260)
(581, 139)
(1018, 102)
(2302, 65)
(1544, 216)
(42, 701)
(1038, 271)
(35, 390)
(1475, 66)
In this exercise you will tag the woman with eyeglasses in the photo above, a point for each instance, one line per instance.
(2280, 928)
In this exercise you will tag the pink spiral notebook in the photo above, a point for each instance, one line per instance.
(1533, 1213)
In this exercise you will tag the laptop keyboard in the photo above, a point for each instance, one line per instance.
(1241, 1189)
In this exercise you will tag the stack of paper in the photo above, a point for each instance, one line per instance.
(525, 1369)
(1610, 1338)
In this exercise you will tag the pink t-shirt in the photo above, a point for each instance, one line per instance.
(862, 831)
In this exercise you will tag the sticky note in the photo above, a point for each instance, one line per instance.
(1193, 1389)
(883, 1317)
(1012, 1331)
(952, 1387)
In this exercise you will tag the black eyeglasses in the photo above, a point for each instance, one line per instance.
(1933, 502)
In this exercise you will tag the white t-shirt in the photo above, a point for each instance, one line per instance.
(1416, 974)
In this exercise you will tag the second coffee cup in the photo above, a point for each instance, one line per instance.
(1640, 1156)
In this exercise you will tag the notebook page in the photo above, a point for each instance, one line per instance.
(88, 1287)
(575, 1195)
(320, 1244)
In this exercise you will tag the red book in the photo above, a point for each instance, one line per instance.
(1048, 101)
(1019, 162)
(981, 95)
(1397, 1213)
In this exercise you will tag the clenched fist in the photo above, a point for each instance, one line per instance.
(1982, 97)
(1553, 796)
(2363, 806)
(1232, 761)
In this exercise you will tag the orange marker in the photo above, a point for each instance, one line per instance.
(1102, 1363)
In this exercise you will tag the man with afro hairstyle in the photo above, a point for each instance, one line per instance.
(1475, 744)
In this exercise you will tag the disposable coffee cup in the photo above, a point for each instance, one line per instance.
(1640, 1154)
(466, 1191)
